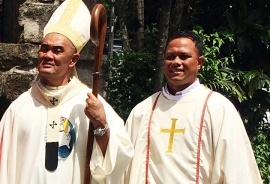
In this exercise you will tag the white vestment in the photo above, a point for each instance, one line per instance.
(171, 150)
(23, 139)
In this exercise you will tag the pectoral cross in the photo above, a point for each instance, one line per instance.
(52, 125)
(53, 101)
(172, 131)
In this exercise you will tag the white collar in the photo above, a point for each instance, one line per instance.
(51, 90)
(180, 94)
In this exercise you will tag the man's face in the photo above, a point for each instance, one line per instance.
(181, 64)
(56, 57)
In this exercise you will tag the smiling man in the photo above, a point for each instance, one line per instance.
(56, 57)
(187, 133)
(43, 134)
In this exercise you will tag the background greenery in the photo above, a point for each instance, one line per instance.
(236, 39)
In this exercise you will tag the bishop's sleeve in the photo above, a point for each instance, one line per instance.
(110, 169)
(7, 147)
(234, 159)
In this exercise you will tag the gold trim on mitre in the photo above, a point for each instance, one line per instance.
(68, 32)
(71, 19)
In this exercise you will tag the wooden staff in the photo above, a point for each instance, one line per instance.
(97, 33)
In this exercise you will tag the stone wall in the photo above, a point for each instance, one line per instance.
(18, 55)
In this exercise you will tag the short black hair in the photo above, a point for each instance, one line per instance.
(189, 34)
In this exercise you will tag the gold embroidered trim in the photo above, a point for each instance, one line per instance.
(69, 12)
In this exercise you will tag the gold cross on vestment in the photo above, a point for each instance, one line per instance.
(172, 131)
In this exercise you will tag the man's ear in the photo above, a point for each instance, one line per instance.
(75, 59)
(200, 61)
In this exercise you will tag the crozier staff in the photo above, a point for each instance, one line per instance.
(98, 33)
(43, 133)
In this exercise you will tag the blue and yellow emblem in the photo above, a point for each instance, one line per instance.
(67, 138)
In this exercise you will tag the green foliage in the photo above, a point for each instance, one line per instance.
(151, 37)
(255, 80)
(249, 22)
(252, 112)
(261, 147)
(130, 81)
(215, 72)
(106, 4)
(132, 73)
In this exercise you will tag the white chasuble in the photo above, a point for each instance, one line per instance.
(24, 135)
(192, 140)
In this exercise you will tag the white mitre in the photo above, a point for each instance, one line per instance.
(71, 19)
